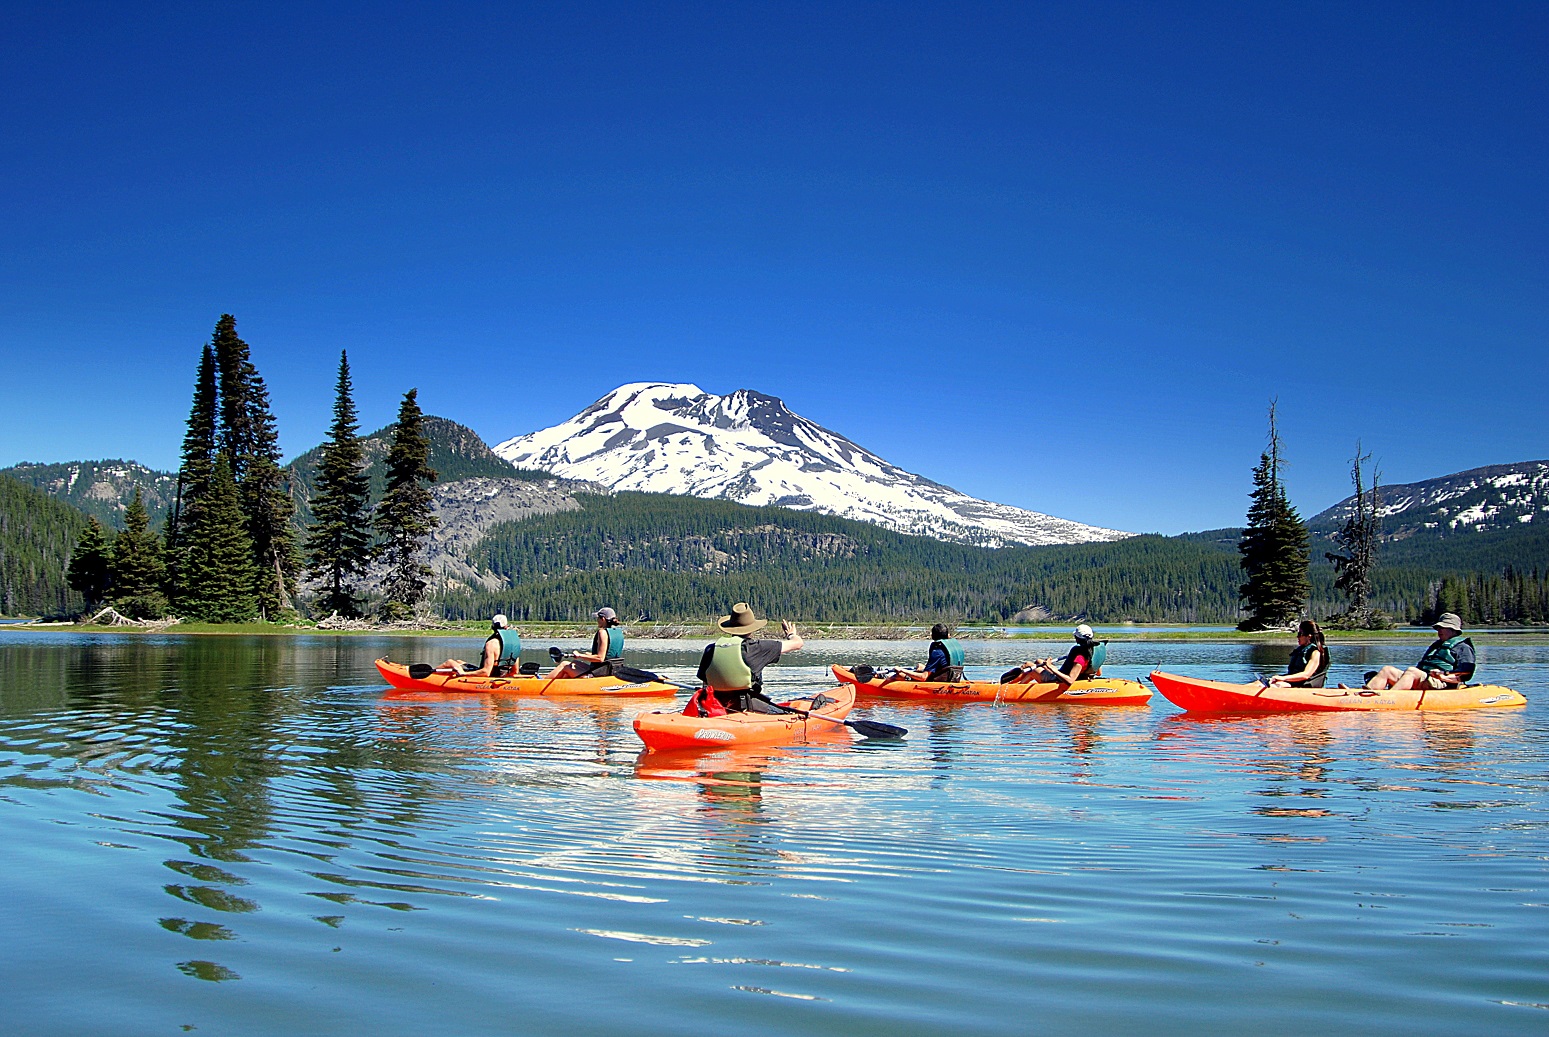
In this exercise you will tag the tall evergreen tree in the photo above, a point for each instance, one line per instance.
(88, 571)
(339, 540)
(248, 438)
(218, 578)
(138, 572)
(1273, 546)
(405, 517)
(1358, 538)
(193, 477)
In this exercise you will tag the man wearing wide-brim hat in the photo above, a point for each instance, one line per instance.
(1447, 663)
(732, 667)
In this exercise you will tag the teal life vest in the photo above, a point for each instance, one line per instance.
(1440, 656)
(728, 670)
(510, 658)
(615, 648)
(954, 653)
(1299, 656)
(1095, 652)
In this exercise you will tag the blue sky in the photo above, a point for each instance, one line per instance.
(1059, 255)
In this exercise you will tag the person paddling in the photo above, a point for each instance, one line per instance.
(607, 649)
(944, 664)
(502, 653)
(1308, 667)
(1084, 660)
(1447, 663)
(732, 667)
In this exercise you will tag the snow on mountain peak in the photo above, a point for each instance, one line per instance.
(659, 437)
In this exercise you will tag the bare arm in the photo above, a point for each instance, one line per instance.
(790, 640)
(1314, 660)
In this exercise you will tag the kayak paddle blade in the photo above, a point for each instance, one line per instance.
(872, 729)
(419, 671)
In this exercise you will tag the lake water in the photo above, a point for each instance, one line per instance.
(242, 836)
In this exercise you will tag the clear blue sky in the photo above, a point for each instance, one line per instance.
(1055, 255)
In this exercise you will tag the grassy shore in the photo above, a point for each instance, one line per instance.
(817, 632)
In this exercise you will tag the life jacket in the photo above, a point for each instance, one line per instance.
(728, 670)
(1440, 656)
(615, 649)
(1093, 651)
(510, 651)
(1299, 656)
(954, 653)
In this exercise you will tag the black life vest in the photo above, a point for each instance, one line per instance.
(1299, 657)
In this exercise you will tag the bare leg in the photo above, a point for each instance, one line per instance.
(1385, 678)
(1410, 679)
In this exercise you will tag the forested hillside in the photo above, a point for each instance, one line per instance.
(683, 557)
(102, 489)
(36, 536)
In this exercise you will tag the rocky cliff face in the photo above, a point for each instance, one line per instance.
(1496, 497)
(102, 489)
(750, 448)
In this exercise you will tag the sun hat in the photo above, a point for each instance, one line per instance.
(606, 613)
(1449, 620)
(741, 620)
(1084, 633)
(500, 620)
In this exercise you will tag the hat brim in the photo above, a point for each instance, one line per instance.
(727, 626)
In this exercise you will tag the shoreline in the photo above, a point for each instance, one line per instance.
(817, 632)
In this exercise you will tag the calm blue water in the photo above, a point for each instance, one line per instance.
(241, 836)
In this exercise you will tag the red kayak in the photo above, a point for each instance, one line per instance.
(1204, 696)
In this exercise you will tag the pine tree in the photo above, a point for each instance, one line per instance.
(218, 578)
(1358, 538)
(193, 477)
(1273, 546)
(339, 540)
(247, 436)
(405, 517)
(138, 572)
(88, 571)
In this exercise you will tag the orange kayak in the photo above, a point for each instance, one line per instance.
(397, 675)
(1201, 696)
(1099, 691)
(671, 729)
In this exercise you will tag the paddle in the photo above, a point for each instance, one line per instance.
(867, 728)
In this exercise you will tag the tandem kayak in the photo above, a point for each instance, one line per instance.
(1202, 696)
(397, 675)
(1099, 691)
(671, 729)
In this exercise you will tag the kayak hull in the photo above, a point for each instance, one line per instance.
(1100, 691)
(397, 675)
(671, 729)
(1198, 695)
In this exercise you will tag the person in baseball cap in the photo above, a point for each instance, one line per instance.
(1084, 660)
(1448, 663)
(502, 653)
(607, 650)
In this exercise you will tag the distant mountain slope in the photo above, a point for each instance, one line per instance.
(1505, 496)
(750, 448)
(102, 488)
(37, 535)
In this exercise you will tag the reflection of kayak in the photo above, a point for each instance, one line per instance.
(397, 674)
(672, 730)
(1099, 691)
(1202, 696)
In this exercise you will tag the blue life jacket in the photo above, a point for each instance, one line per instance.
(510, 652)
(1094, 651)
(615, 649)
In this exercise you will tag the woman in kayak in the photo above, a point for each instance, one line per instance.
(1309, 661)
(502, 653)
(732, 668)
(607, 649)
(1081, 661)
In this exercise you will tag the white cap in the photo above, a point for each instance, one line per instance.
(606, 613)
(500, 620)
(1084, 633)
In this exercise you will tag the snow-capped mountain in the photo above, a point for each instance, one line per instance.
(1496, 497)
(748, 447)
